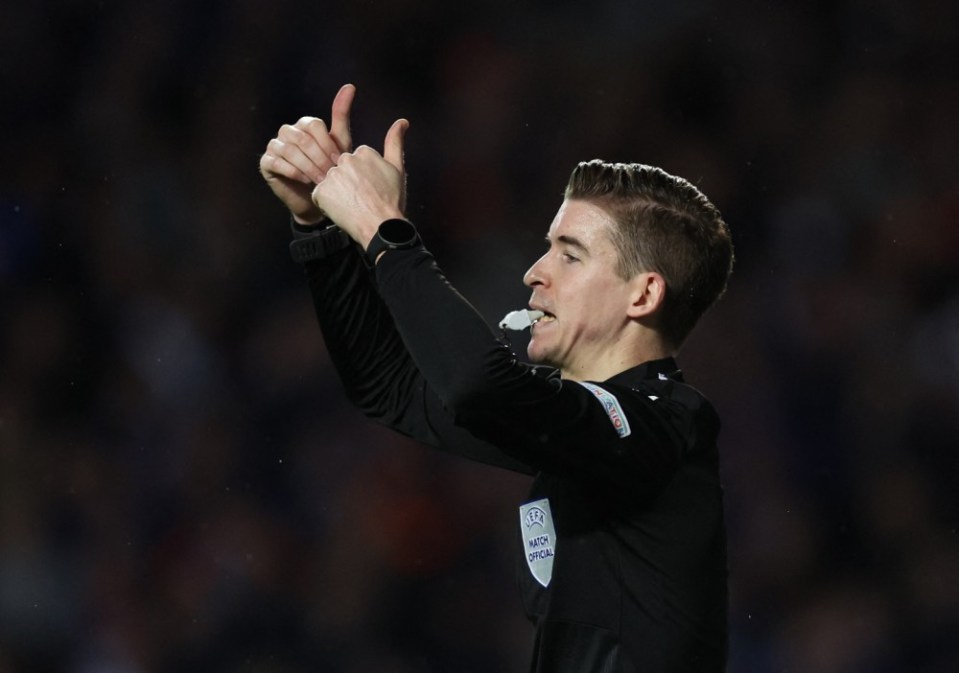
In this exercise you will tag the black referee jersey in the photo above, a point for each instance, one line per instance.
(621, 542)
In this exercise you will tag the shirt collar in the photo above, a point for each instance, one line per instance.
(664, 368)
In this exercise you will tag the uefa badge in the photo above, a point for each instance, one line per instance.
(539, 539)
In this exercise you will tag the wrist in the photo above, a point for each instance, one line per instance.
(307, 223)
(393, 234)
(316, 242)
(371, 225)
(301, 230)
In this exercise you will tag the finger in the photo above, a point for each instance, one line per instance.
(316, 194)
(393, 145)
(312, 162)
(311, 136)
(272, 165)
(340, 116)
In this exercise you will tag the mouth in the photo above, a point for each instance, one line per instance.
(546, 317)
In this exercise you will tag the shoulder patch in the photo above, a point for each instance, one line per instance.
(612, 407)
(539, 539)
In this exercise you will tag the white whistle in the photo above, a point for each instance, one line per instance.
(520, 320)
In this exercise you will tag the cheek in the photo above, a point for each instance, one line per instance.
(584, 324)
(596, 306)
(598, 312)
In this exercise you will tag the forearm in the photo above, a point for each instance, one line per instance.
(375, 367)
(450, 342)
(376, 371)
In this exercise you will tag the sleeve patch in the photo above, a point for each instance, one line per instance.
(612, 407)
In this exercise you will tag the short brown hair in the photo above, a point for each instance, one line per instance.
(663, 223)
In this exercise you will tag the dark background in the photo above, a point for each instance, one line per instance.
(183, 488)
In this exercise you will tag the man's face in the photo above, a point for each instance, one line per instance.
(575, 283)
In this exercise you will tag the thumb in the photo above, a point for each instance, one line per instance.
(393, 145)
(340, 119)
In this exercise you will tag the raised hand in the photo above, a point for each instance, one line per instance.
(365, 188)
(301, 155)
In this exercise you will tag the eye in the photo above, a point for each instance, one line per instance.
(569, 259)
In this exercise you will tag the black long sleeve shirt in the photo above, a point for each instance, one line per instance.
(622, 548)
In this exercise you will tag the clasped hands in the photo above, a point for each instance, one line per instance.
(315, 172)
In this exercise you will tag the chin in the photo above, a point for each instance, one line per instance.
(538, 357)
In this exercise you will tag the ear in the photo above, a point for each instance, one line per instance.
(648, 294)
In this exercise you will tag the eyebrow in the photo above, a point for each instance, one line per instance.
(571, 241)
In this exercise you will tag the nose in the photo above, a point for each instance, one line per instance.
(536, 274)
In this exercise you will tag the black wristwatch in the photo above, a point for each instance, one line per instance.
(392, 235)
(314, 243)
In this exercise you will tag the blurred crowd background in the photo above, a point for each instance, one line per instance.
(182, 486)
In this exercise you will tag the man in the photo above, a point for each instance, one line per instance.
(623, 553)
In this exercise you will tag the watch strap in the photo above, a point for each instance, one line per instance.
(308, 246)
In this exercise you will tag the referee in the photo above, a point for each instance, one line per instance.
(621, 545)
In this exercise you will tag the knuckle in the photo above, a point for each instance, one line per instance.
(270, 166)
(277, 148)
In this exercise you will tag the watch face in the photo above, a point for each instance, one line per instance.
(392, 235)
(398, 233)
